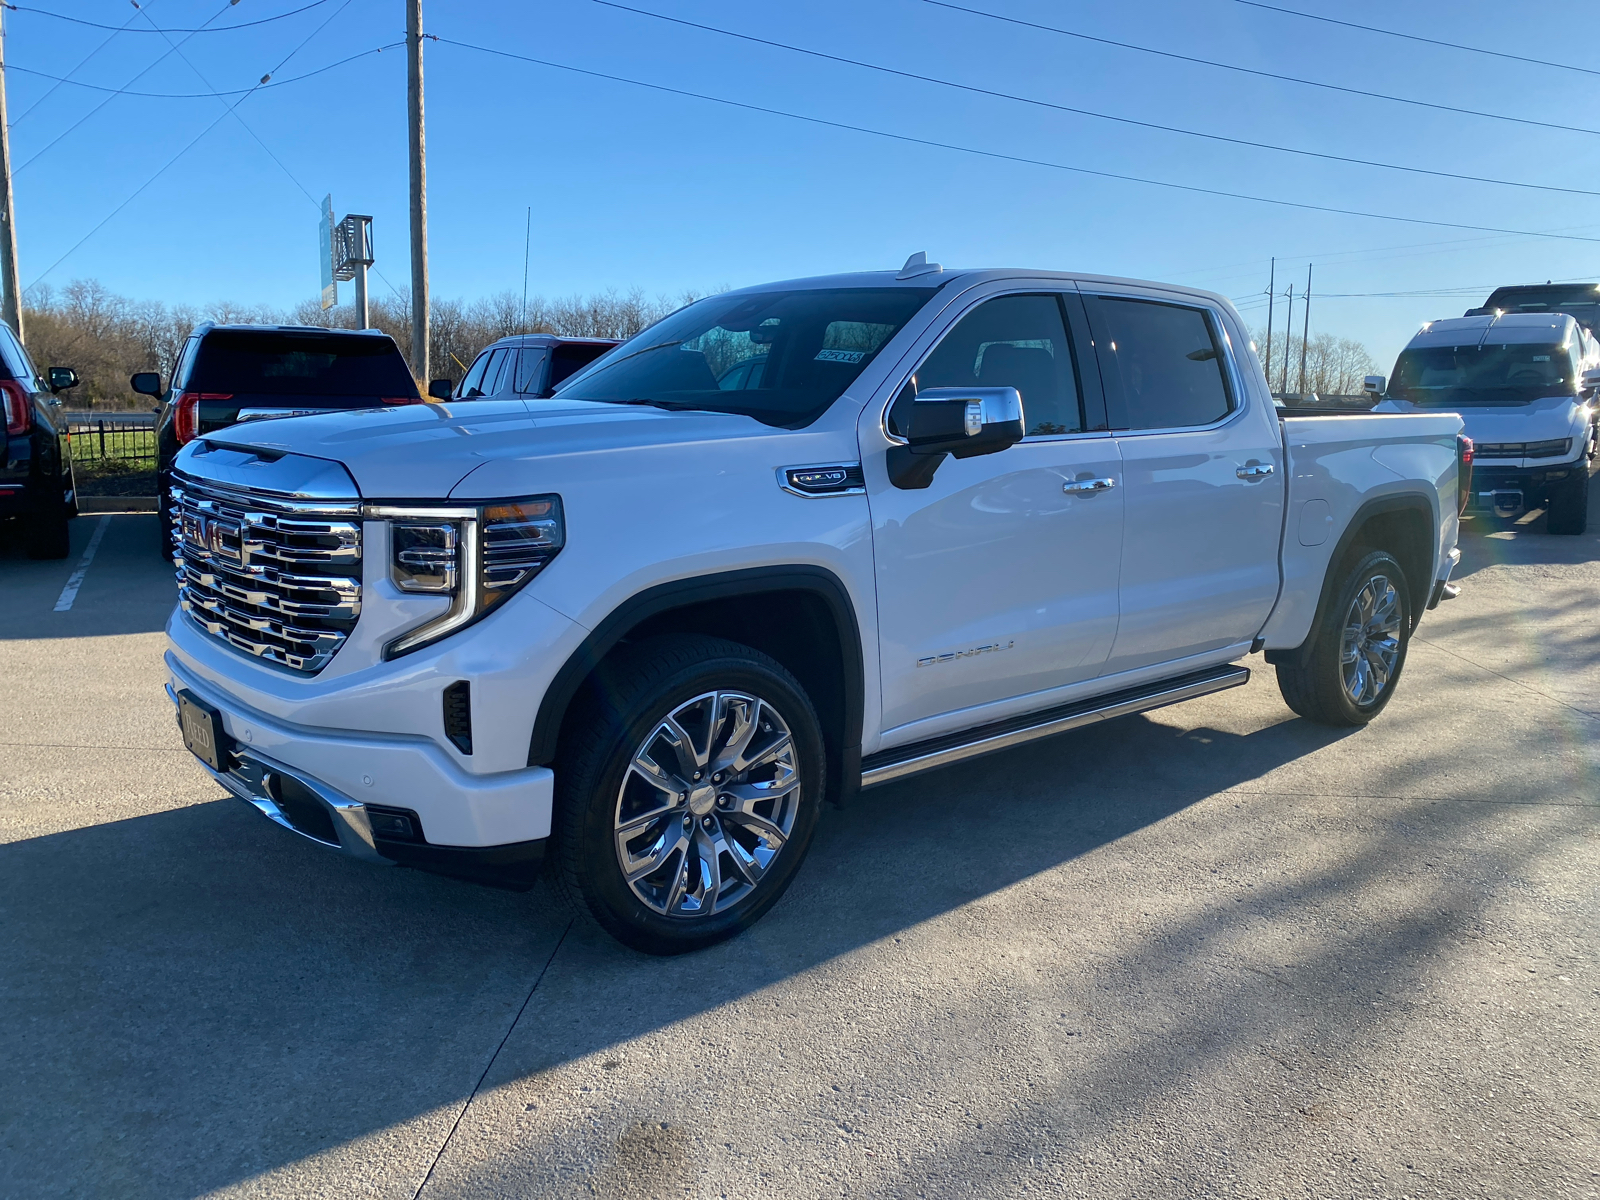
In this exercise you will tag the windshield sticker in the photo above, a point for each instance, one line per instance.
(840, 356)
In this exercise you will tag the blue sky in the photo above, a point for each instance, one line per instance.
(632, 187)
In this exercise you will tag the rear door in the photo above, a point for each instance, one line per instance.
(1202, 488)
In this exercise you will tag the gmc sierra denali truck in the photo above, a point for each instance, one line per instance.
(790, 542)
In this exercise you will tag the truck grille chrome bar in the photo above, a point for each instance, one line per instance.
(273, 577)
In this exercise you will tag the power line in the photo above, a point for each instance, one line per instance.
(74, 71)
(234, 111)
(1313, 83)
(1412, 37)
(1015, 158)
(1100, 116)
(190, 145)
(111, 97)
(44, 12)
(256, 87)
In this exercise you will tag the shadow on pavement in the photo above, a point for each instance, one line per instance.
(196, 997)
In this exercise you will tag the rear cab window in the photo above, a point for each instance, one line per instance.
(269, 362)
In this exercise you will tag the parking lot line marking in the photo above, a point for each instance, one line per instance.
(75, 580)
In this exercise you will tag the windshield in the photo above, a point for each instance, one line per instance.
(780, 357)
(1451, 376)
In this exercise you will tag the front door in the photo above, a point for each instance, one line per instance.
(999, 580)
(1203, 483)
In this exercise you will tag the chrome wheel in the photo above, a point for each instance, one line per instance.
(1370, 646)
(707, 803)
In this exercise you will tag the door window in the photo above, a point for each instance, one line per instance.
(494, 374)
(1165, 364)
(529, 360)
(1012, 341)
(471, 385)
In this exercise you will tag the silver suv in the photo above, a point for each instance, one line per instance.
(529, 364)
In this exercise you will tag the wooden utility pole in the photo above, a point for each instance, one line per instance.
(11, 303)
(419, 193)
(1305, 331)
(1272, 282)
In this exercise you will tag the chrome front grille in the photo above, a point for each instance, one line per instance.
(273, 577)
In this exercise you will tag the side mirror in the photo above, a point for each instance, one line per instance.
(964, 422)
(1590, 379)
(441, 389)
(146, 383)
(62, 378)
(1374, 385)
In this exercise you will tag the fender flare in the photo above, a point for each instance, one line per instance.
(1418, 502)
(681, 593)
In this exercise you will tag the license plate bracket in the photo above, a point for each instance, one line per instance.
(203, 734)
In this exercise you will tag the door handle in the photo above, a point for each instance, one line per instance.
(1254, 471)
(1082, 487)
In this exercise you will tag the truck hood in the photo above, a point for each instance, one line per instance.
(1541, 420)
(422, 451)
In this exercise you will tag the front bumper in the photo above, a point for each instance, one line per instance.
(1508, 490)
(344, 772)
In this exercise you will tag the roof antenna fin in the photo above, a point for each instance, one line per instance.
(918, 264)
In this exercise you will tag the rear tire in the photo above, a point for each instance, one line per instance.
(1568, 511)
(49, 529)
(687, 791)
(1359, 646)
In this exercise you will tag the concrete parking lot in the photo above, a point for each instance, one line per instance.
(1213, 950)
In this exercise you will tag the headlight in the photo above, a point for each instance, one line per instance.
(1550, 449)
(477, 556)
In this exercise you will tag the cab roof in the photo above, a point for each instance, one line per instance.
(1503, 328)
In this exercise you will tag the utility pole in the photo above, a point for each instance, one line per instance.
(1272, 282)
(419, 193)
(1288, 335)
(1305, 331)
(11, 303)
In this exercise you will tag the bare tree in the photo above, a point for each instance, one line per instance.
(107, 337)
(1334, 365)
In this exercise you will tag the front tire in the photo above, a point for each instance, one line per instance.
(1568, 511)
(688, 790)
(1359, 648)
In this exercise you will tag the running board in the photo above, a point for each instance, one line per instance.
(889, 765)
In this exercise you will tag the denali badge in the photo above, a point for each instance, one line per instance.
(955, 654)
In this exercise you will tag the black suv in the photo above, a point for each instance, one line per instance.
(525, 364)
(1580, 301)
(36, 484)
(232, 373)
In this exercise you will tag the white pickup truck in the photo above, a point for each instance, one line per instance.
(790, 542)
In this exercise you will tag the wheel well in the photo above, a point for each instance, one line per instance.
(1398, 525)
(801, 617)
(1406, 533)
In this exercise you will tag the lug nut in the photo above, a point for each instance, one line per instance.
(724, 800)
(707, 822)
(688, 820)
(697, 774)
(717, 778)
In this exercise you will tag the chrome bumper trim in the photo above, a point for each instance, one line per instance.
(1441, 586)
(250, 781)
